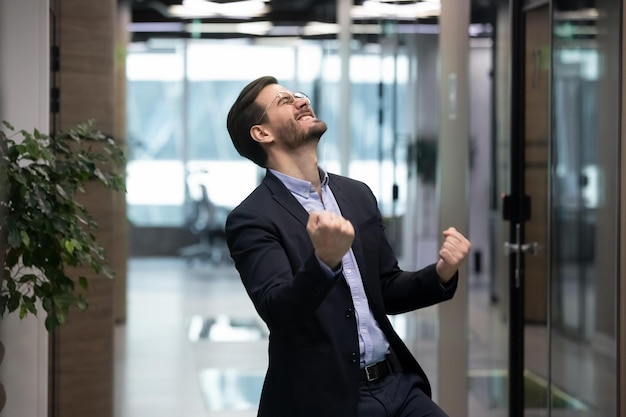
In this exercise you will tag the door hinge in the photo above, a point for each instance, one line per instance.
(54, 100)
(55, 59)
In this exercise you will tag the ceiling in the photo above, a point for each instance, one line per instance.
(155, 19)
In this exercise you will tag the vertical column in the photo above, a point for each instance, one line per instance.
(453, 205)
(345, 94)
(24, 102)
(83, 348)
(119, 255)
(501, 119)
(621, 299)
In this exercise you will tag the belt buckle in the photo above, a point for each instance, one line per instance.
(371, 373)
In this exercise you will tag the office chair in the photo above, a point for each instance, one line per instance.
(207, 221)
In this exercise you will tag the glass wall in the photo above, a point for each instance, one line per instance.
(155, 135)
(179, 94)
(584, 205)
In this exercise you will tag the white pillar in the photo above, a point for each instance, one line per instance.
(453, 205)
(24, 102)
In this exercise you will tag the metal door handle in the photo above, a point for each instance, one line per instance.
(532, 248)
(519, 248)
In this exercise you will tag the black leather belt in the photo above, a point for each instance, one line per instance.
(376, 371)
(380, 369)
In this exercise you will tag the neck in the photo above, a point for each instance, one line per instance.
(298, 165)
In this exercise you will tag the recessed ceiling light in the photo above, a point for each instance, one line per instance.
(244, 9)
(372, 9)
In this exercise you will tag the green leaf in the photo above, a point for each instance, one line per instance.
(83, 283)
(81, 304)
(11, 286)
(51, 322)
(63, 300)
(28, 278)
(69, 245)
(25, 238)
(14, 238)
(3, 304)
(11, 259)
(62, 191)
(13, 153)
(29, 303)
(27, 258)
(108, 272)
(101, 176)
(14, 301)
(60, 318)
(47, 304)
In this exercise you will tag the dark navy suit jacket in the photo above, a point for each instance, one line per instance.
(313, 344)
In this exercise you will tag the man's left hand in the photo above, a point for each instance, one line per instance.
(453, 252)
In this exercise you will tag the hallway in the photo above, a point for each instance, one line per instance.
(159, 369)
(194, 347)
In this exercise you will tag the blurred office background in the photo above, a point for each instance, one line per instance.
(452, 111)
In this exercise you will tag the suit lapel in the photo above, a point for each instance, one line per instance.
(283, 196)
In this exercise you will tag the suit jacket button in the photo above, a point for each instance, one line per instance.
(349, 313)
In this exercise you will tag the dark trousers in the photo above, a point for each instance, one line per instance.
(396, 395)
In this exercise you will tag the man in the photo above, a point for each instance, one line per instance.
(311, 252)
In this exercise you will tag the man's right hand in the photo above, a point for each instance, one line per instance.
(332, 236)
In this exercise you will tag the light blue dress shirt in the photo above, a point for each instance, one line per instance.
(373, 344)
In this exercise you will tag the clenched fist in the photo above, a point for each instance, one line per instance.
(331, 234)
(453, 252)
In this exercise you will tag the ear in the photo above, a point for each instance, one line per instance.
(261, 134)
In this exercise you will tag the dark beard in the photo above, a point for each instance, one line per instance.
(297, 137)
(318, 129)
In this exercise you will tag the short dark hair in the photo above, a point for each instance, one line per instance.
(244, 114)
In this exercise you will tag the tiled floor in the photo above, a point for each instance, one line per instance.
(193, 346)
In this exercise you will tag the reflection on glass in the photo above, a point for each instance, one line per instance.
(490, 387)
(231, 389)
(583, 202)
(574, 185)
(154, 129)
(223, 328)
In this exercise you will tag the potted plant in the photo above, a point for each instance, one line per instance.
(44, 231)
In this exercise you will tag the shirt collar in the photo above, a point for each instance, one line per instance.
(301, 187)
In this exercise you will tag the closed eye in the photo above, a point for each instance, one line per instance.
(285, 100)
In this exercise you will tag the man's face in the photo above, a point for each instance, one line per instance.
(290, 116)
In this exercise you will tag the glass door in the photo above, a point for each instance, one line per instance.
(558, 172)
(583, 203)
(526, 211)
(563, 211)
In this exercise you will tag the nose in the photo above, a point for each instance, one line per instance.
(301, 102)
